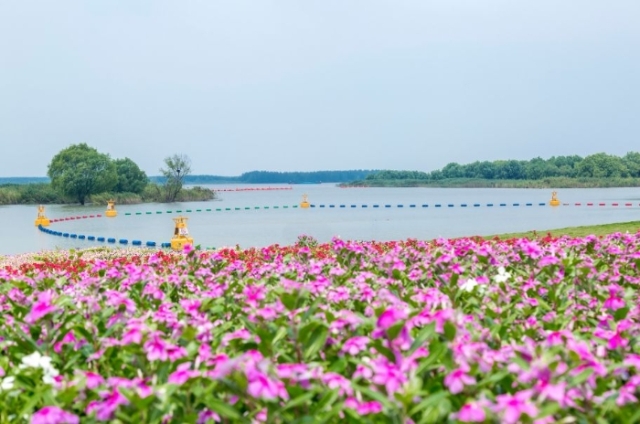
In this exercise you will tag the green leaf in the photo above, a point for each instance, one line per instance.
(621, 313)
(432, 400)
(450, 330)
(289, 300)
(222, 408)
(299, 400)
(427, 332)
(316, 341)
(394, 330)
(374, 394)
(582, 377)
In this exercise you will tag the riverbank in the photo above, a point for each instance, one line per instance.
(44, 194)
(555, 182)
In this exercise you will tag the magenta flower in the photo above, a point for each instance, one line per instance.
(41, 307)
(390, 317)
(355, 345)
(471, 413)
(105, 408)
(337, 381)
(513, 406)
(93, 380)
(183, 374)
(614, 303)
(207, 416)
(54, 415)
(388, 375)
(262, 387)
(457, 379)
(156, 349)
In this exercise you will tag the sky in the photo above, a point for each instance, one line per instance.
(290, 85)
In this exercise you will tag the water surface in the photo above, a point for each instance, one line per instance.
(263, 227)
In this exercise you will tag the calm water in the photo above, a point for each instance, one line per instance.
(264, 227)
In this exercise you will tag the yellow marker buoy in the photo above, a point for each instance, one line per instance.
(42, 219)
(111, 210)
(181, 234)
(554, 199)
(304, 204)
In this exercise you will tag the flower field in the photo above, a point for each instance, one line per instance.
(465, 330)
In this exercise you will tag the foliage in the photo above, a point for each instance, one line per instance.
(80, 170)
(570, 171)
(555, 182)
(131, 179)
(154, 193)
(177, 167)
(466, 330)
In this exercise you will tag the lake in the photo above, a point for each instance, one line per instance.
(261, 227)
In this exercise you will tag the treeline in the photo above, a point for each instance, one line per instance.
(258, 177)
(599, 166)
(271, 177)
(44, 193)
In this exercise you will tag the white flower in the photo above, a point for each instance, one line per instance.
(36, 360)
(469, 285)
(7, 383)
(502, 276)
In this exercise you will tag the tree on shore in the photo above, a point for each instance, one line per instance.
(80, 171)
(131, 179)
(177, 167)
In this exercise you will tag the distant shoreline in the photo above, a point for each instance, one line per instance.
(547, 183)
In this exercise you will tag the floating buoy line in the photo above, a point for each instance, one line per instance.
(182, 238)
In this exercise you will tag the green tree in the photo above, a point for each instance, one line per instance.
(176, 168)
(80, 170)
(602, 165)
(131, 179)
(632, 162)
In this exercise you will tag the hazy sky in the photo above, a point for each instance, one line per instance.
(303, 85)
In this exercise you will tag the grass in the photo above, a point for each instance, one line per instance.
(598, 230)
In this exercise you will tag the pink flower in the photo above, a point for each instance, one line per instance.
(363, 408)
(93, 380)
(157, 349)
(263, 387)
(208, 416)
(388, 375)
(182, 374)
(105, 408)
(457, 379)
(513, 406)
(355, 345)
(53, 415)
(390, 317)
(41, 307)
(614, 303)
(337, 381)
(471, 413)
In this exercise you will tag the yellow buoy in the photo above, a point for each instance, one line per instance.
(554, 199)
(181, 234)
(111, 210)
(304, 204)
(42, 219)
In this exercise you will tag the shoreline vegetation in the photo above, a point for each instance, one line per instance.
(595, 171)
(552, 182)
(45, 194)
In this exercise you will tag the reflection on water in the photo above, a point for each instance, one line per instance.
(251, 227)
